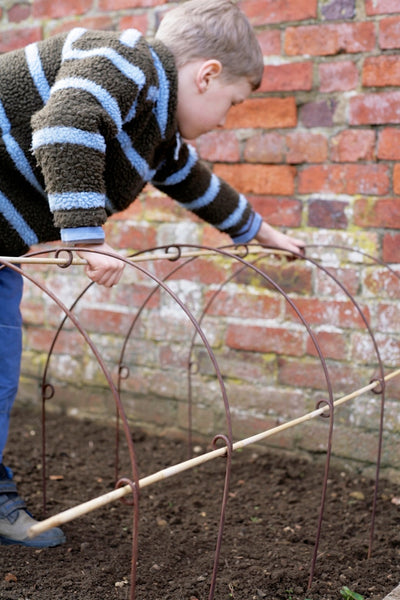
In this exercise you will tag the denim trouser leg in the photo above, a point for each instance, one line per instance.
(11, 285)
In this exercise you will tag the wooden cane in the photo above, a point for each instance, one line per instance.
(90, 505)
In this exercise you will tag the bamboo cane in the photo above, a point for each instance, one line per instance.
(40, 260)
(91, 505)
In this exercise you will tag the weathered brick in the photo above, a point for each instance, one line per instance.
(352, 145)
(259, 179)
(19, 12)
(62, 8)
(122, 4)
(92, 22)
(293, 278)
(309, 373)
(306, 147)
(396, 179)
(287, 77)
(219, 146)
(18, 38)
(328, 284)
(339, 313)
(136, 21)
(265, 113)
(391, 248)
(338, 9)
(380, 7)
(270, 41)
(383, 212)
(265, 148)
(381, 71)
(388, 317)
(283, 212)
(325, 40)
(345, 179)
(389, 144)
(338, 76)
(329, 214)
(382, 283)
(262, 12)
(332, 345)
(243, 305)
(265, 339)
(378, 109)
(389, 32)
(319, 113)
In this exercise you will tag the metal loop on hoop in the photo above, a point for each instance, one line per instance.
(124, 372)
(69, 259)
(380, 388)
(178, 255)
(47, 391)
(125, 481)
(226, 440)
(324, 415)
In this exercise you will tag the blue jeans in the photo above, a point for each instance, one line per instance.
(11, 284)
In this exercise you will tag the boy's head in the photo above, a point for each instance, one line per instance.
(214, 29)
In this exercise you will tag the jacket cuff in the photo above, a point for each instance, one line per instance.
(249, 231)
(75, 236)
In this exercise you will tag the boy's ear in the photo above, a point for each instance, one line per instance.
(208, 70)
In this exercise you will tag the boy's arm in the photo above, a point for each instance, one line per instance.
(189, 181)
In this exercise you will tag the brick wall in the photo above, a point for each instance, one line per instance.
(316, 150)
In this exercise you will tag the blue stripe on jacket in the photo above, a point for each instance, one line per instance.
(16, 153)
(36, 70)
(68, 135)
(137, 161)
(208, 197)
(73, 200)
(16, 220)
(181, 175)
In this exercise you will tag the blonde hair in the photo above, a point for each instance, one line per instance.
(213, 29)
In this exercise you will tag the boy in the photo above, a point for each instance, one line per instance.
(87, 118)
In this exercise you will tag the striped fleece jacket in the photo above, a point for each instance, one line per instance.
(87, 118)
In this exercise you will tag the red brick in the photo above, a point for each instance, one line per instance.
(382, 283)
(136, 296)
(283, 212)
(105, 321)
(334, 312)
(327, 214)
(309, 373)
(95, 22)
(381, 71)
(326, 285)
(243, 305)
(262, 12)
(265, 148)
(203, 270)
(140, 22)
(39, 339)
(325, 40)
(18, 38)
(293, 278)
(49, 9)
(345, 179)
(258, 179)
(264, 113)
(306, 147)
(19, 12)
(396, 179)
(287, 77)
(389, 144)
(270, 41)
(338, 76)
(121, 4)
(352, 145)
(375, 109)
(332, 345)
(219, 146)
(380, 7)
(384, 212)
(391, 248)
(389, 33)
(265, 339)
(133, 236)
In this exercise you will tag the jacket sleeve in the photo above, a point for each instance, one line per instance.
(96, 87)
(188, 180)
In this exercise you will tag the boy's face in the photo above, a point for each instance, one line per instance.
(205, 97)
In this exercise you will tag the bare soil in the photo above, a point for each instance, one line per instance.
(269, 535)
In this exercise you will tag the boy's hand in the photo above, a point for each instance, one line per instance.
(269, 236)
(104, 270)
